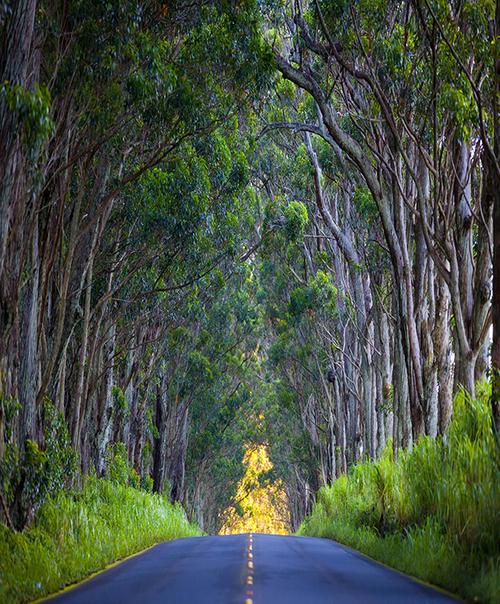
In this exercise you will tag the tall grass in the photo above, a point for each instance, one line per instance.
(78, 533)
(434, 512)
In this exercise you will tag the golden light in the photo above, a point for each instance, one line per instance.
(263, 503)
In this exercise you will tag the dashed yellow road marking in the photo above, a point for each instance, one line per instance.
(249, 591)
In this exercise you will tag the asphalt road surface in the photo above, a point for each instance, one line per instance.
(250, 569)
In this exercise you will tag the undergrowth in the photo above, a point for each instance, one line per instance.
(433, 513)
(77, 533)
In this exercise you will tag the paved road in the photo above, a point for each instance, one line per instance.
(250, 569)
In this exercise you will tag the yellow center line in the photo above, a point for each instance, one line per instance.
(249, 592)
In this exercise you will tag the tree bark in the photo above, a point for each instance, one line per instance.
(29, 366)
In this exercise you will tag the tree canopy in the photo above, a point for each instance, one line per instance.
(237, 229)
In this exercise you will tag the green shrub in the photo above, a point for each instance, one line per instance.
(30, 475)
(433, 513)
(120, 471)
(81, 532)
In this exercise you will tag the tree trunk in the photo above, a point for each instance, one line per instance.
(495, 180)
(16, 53)
(160, 440)
(105, 418)
(29, 365)
(443, 350)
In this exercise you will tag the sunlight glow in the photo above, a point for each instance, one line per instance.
(261, 505)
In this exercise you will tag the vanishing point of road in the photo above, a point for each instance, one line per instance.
(251, 569)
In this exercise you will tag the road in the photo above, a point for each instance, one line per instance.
(250, 569)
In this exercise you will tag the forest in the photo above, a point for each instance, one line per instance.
(228, 224)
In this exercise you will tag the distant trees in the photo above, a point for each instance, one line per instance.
(261, 505)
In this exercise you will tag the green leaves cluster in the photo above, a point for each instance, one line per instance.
(30, 475)
(32, 111)
(296, 219)
(320, 294)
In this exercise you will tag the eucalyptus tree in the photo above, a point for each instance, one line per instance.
(388, 103)
(121, 160)
(196, 252)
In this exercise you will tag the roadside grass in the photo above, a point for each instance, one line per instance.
(433, 513)
(80, 532)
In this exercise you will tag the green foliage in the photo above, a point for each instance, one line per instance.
(120, 409)
(296, 219)
(219, 378)
(30, 475)
(146, 483)
(434, 513)
(117, 467)
(460, 102)
(301, 299)
(120, 472)
(9, 407)
(120, 405)
(77, 533)
(31, 109)
(199, 367)
(319, 294)
(365, 203)
(60, 462)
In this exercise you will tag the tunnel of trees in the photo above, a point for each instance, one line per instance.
(225, 223)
